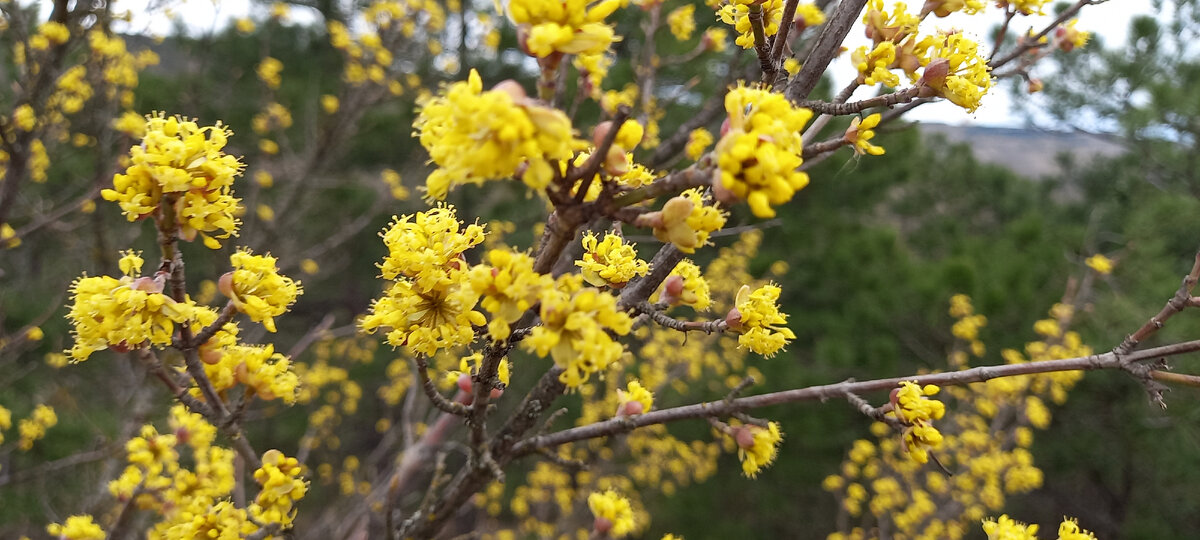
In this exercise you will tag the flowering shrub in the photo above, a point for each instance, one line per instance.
(487, 331)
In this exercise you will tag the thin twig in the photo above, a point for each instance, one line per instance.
(840, 390)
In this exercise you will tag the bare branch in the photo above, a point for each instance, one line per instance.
(841, 390)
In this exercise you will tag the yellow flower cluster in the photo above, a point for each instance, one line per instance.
(968, 324)
(737, 14)
(1024, 7)
(430, 303)
(860, 133)
(1101, 264)
(690, 229)
(943, 8)
(509, 287)
(809, 15)
(574, 330)
(122, 314)
(181, 167)
(682, 21)
(282, 486)
(264, 372)
(873, 64)
(613, 513)
(257, 289)
(757, 446)
(956, 71)
(991, 460)
(268, 72)
(564, 26)
(77, 528)
(1005, 528)
(474, 136)
(685, 285)
(759, 155)
(757, 318)
(34, 427)
(698, 141)
(917, 412)
(634, 399)
(609, 262)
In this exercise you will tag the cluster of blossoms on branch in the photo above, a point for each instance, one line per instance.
(465, 309)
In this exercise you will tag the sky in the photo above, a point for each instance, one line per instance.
(1109, 19)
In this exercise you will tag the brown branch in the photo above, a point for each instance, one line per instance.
(816, 149)
(708, 327)
(699, 174)
(588, 171)
(1177, 378)
(1177, 303)
(760, 43)
(1032, 41)
(438, 400)
(781, 37)
(827, 46)
(855, 107)
(209, 331)
(841, 390)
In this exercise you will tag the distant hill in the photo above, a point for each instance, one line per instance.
(1029, 152)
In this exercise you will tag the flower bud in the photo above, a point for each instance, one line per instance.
(1034, 86)
(512, 88)
(225, 285)
(935, 73)
(744, 436)
(602, 525)
(733, 319)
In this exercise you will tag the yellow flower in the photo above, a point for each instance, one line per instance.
(942, 8)
(956, 71)
(34, 428)
(122, 314)
(282, 486)
(698, 141)
(682, 21)
(1005, 528)
(427, 247)
(613, 513)
(244, 25)
(329, 103)
(77, 528)
(757, 317)
(509, 287)
(912, 407)
(259, 368)
(685, 285)
(566, 26)
(1024, 7)
(426, 320)
(810, 14)
(474, 136)
(1101, 264)
(8, 236)
(257, 288)
(181, 162)
(737, 14)
(860, 133)
(759, 155)
(25, 118)
(873, 64)
(610, 261)
(1069, 530)
(757, 446)
(635, 399)
(268, 72)
(574, 329)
